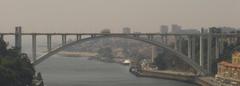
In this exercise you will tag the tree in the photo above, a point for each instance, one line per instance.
(15, 67)
(160, 62)
(3, 48)
(105, 52)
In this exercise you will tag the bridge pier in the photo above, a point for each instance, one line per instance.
(179, 44)
(176, 43)
(64, 39)
(93, 36)
(217, 47)
(166, 40)
(18, 38)
(2, 37)
(150, 37)
(49, 42)
(190, 47)
(194, 49)
(79, 37)
(209, 56)
(153, 53)
(201, 56)
(34, 47)
(221, 45)
(162, 39)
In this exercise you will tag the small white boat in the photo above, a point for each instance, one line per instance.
(126, 62)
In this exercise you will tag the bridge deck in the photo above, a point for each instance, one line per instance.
(169, 34)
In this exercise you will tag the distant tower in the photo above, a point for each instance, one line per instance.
(176, 28)
(126, 30)
(164, 29)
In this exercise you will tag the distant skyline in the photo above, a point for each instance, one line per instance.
(95, 15)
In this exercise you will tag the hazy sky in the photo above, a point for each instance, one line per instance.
(94, 15)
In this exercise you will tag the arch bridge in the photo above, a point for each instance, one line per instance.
(189, 58)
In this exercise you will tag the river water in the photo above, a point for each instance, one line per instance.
(70, 71)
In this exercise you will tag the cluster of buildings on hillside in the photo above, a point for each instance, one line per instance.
(229, 73)
(177, 29)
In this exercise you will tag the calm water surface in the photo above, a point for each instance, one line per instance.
(69, 71)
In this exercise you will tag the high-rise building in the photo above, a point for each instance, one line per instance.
(176, 28)
(126, 30)
(164, 29)
(106, 31)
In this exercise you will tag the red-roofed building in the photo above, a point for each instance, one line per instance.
(230, 72)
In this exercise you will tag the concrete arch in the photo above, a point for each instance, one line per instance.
(158, 44)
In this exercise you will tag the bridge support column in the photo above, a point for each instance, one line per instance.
(194, 48)
(201, 54)
(166, 40)
(34, 48)
(176, 43)
(189, 47)
(162, 38)
(153, 53)
(79, 37)
(49, 42)
(217, 47)
(93, 36)
(179, 44)
(150, 37)
(209, 50)
(18, 38)
(221, 45)
(2, 37)
(64, 39)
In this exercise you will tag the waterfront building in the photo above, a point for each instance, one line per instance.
(229, 73)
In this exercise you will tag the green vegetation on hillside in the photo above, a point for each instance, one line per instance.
(15, 67)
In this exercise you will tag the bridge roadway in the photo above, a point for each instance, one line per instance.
(152, 34)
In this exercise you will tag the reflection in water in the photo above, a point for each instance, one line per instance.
(68, 71)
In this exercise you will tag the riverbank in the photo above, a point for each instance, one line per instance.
(202, 81)
(183, 77)
(77, 54)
